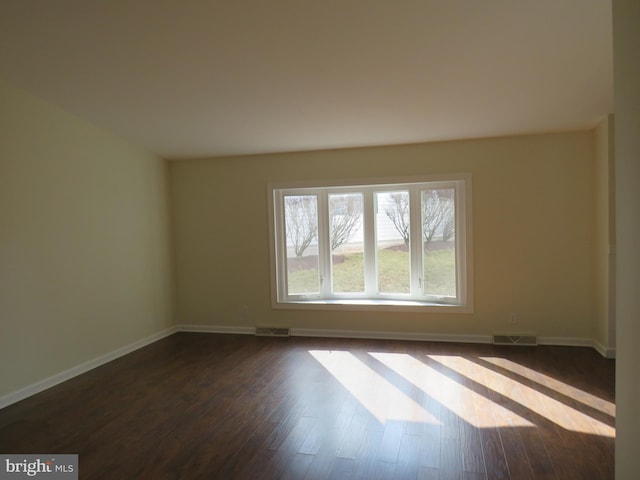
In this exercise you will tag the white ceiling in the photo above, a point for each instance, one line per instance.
(187, 78)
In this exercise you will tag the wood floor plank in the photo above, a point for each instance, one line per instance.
(495, 461)
(342, 469)
(537, 455)
(296, 469)
(351, 443)
(430, 447)
(199, 406)
(515, 453)
(472, 453)
(383, 471)
(391, 440)
(428, 473)
(365, 459)
(408, 458)
(324, 460)
(451, 454)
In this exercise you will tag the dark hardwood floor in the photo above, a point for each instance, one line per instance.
(241, 407)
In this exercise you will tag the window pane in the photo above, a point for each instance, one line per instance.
(392, 242)
(439, 242)
(301, 226)
(347, 242)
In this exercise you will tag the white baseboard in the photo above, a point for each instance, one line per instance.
(381, 335)
(410, 336)
(84, 367)
(606, 352)
(49, 382)
(566, 341)
(216, 329)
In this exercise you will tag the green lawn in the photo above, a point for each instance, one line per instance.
(348, 275)
(440, 272)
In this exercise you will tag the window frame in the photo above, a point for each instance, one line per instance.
(370, 300)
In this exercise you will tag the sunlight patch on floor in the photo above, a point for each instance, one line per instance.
(575, 393)
(529, 398)
(382, 399)
(475, 409)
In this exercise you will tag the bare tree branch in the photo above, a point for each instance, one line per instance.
(346, 211)
(437, 214)
(398, 213)
(301, 219)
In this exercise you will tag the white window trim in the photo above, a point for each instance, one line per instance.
(464, 254)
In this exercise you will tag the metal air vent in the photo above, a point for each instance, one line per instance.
(512, 339)
(272, 332)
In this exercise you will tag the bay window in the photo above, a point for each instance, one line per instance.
(380, 243)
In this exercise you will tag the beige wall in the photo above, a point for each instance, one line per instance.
(626, 38)
(604, 195)
(84, 249)
(533, 214)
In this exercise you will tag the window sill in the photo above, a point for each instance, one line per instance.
(373, 306)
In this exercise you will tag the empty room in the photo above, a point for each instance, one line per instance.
(319, 239)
